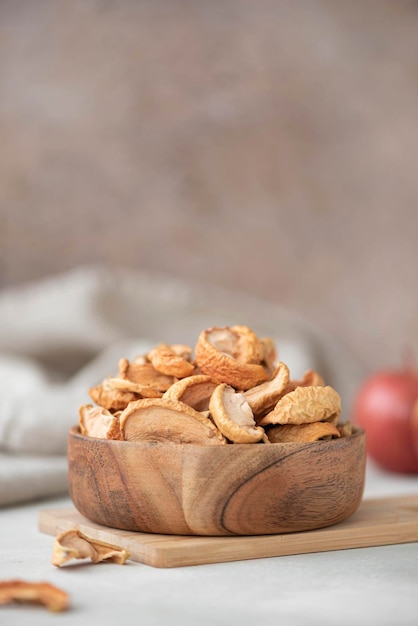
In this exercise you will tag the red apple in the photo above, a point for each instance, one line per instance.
(384, 408)
(414, 427)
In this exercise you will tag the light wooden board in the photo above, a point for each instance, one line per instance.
(377, 522)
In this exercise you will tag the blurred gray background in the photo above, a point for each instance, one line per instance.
(269, 147)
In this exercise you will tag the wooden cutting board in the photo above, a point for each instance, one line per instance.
(377, 522)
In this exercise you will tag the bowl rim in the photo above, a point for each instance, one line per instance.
(75, 433)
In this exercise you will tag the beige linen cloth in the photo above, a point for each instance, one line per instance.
(63, 334)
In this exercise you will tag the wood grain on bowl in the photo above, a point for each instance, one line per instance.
(189, 489)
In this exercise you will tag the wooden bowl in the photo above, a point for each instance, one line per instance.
(237, 489)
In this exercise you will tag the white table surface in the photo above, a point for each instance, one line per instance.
(373, 586)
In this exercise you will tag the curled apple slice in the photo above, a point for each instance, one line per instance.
(53, 598)
(145, 375)
(73, 544)
(167, 421)
(166, 360)
(142, 391)
(305, 405)
(248, 347)
(269, 353)
(98, 422)
(311, 378)
(193, 390)
(262, 398)
(182, 350)
(224, 354)
(110, 398)
(345, 429)
(233, 415)
(302, 433)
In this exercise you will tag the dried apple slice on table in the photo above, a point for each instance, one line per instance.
(53, 598)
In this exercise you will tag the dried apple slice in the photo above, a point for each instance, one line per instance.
(305, 405)
(166, 360)
(311, 378)
(248, 348)
(193, 390)
(73, 544)
(167, 421)
(145, 375)
(53, 598)
(302, 433)
(269, 353)
(233, 415)
(142, 391)
(98, 422)
(219, 354)
(262, 398)
(182, 350)
(345, 429)
(109, 398)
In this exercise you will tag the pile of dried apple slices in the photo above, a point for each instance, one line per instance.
(230, 389)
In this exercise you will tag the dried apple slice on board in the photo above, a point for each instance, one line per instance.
(167, 421)
(73, 544)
